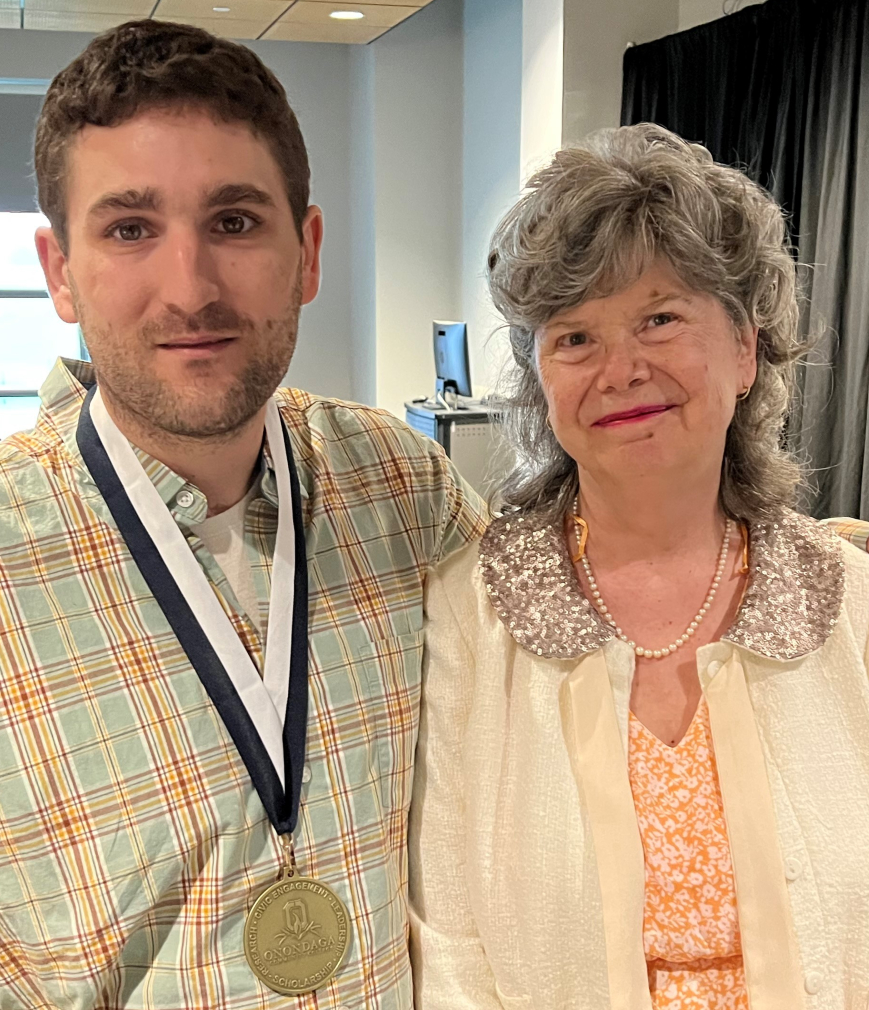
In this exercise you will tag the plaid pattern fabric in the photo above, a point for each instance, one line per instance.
(132, 843)
(855, 531)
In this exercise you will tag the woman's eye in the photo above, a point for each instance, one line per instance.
(236, 224)
(576, 340)
(661, 319)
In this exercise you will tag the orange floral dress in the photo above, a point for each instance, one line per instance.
(690, 927)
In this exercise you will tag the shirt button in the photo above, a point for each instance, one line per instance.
(714, 667)
(793, 868)
(814, 981)
(306, 773)
(184, 499)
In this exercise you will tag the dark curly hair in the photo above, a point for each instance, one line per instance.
(158, 64)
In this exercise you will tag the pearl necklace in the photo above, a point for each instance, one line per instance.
(690, 631)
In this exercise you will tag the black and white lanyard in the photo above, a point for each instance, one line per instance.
(265, 716)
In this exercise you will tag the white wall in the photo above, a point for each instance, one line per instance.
(596, 33)
(317, 80)
(491, 157)
(543, 44)
(363, 251)
(699, 12)
(407, 144)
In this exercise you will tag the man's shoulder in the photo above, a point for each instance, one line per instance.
(353, 429)
(27, 452)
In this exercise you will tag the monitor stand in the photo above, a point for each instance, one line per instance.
(439, 400)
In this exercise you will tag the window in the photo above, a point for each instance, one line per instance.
(31, 334)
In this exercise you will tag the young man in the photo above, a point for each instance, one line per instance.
(210, 589)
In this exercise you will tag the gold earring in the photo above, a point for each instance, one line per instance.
(744, 394)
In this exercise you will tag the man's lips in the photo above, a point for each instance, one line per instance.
(206, 347)
(635, 414)
(200, 340)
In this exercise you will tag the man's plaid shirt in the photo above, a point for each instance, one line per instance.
(132, 843)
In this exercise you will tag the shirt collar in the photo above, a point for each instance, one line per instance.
(62, 395)
(795, 590)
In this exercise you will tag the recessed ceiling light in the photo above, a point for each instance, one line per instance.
(221, 10)
(346, 15)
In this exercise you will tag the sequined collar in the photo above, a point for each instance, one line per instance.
(794, 596)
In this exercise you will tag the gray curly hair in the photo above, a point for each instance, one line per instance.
(587, 226)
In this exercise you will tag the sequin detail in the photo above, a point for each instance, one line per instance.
(531, 583)
(795, 589)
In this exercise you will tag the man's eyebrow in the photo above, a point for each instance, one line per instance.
(235, 193)
(127, 200)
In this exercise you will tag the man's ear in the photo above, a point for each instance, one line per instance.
(54, 266)
(312, 241)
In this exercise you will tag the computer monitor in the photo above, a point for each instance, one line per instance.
(451, 357)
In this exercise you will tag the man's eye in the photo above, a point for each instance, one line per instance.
(130, 232)
(236, 224)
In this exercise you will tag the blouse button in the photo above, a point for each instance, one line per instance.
(184, 499)
(306, 773)
(793, 868)
(814, 981)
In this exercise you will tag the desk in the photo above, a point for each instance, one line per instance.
(470, 438)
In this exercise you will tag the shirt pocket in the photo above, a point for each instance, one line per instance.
(364, 714)
(392, 671)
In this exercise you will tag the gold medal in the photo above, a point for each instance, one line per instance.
(296, 934)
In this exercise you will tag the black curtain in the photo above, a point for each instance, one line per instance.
(781, 90)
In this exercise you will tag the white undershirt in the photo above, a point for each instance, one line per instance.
(223, 535)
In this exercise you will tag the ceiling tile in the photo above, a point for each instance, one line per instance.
(335, 31)
(127, 8)
(235, 29)
(71, 21)
(10, 17)
(350, 6)
(316, 12)
(239, 10)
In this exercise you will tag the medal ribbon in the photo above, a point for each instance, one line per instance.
(265, 716)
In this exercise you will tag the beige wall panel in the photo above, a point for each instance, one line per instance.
(239, 10)
(72, 21)
(335, 31)
(226, 29)
(129, 8)
(10, 18)
(317, 13)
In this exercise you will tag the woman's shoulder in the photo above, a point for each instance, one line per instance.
(831, 567)
(852, 536)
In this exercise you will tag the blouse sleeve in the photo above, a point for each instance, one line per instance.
(451, 971)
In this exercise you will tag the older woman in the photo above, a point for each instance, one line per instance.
(643, 772)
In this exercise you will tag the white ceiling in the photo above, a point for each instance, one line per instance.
(288, 20)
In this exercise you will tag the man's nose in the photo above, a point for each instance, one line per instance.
(189, 279)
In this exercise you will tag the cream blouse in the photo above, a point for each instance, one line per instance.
(527, 868)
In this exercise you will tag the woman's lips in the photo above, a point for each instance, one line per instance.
(633, 416)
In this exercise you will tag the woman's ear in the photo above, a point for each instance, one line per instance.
(747, 356)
